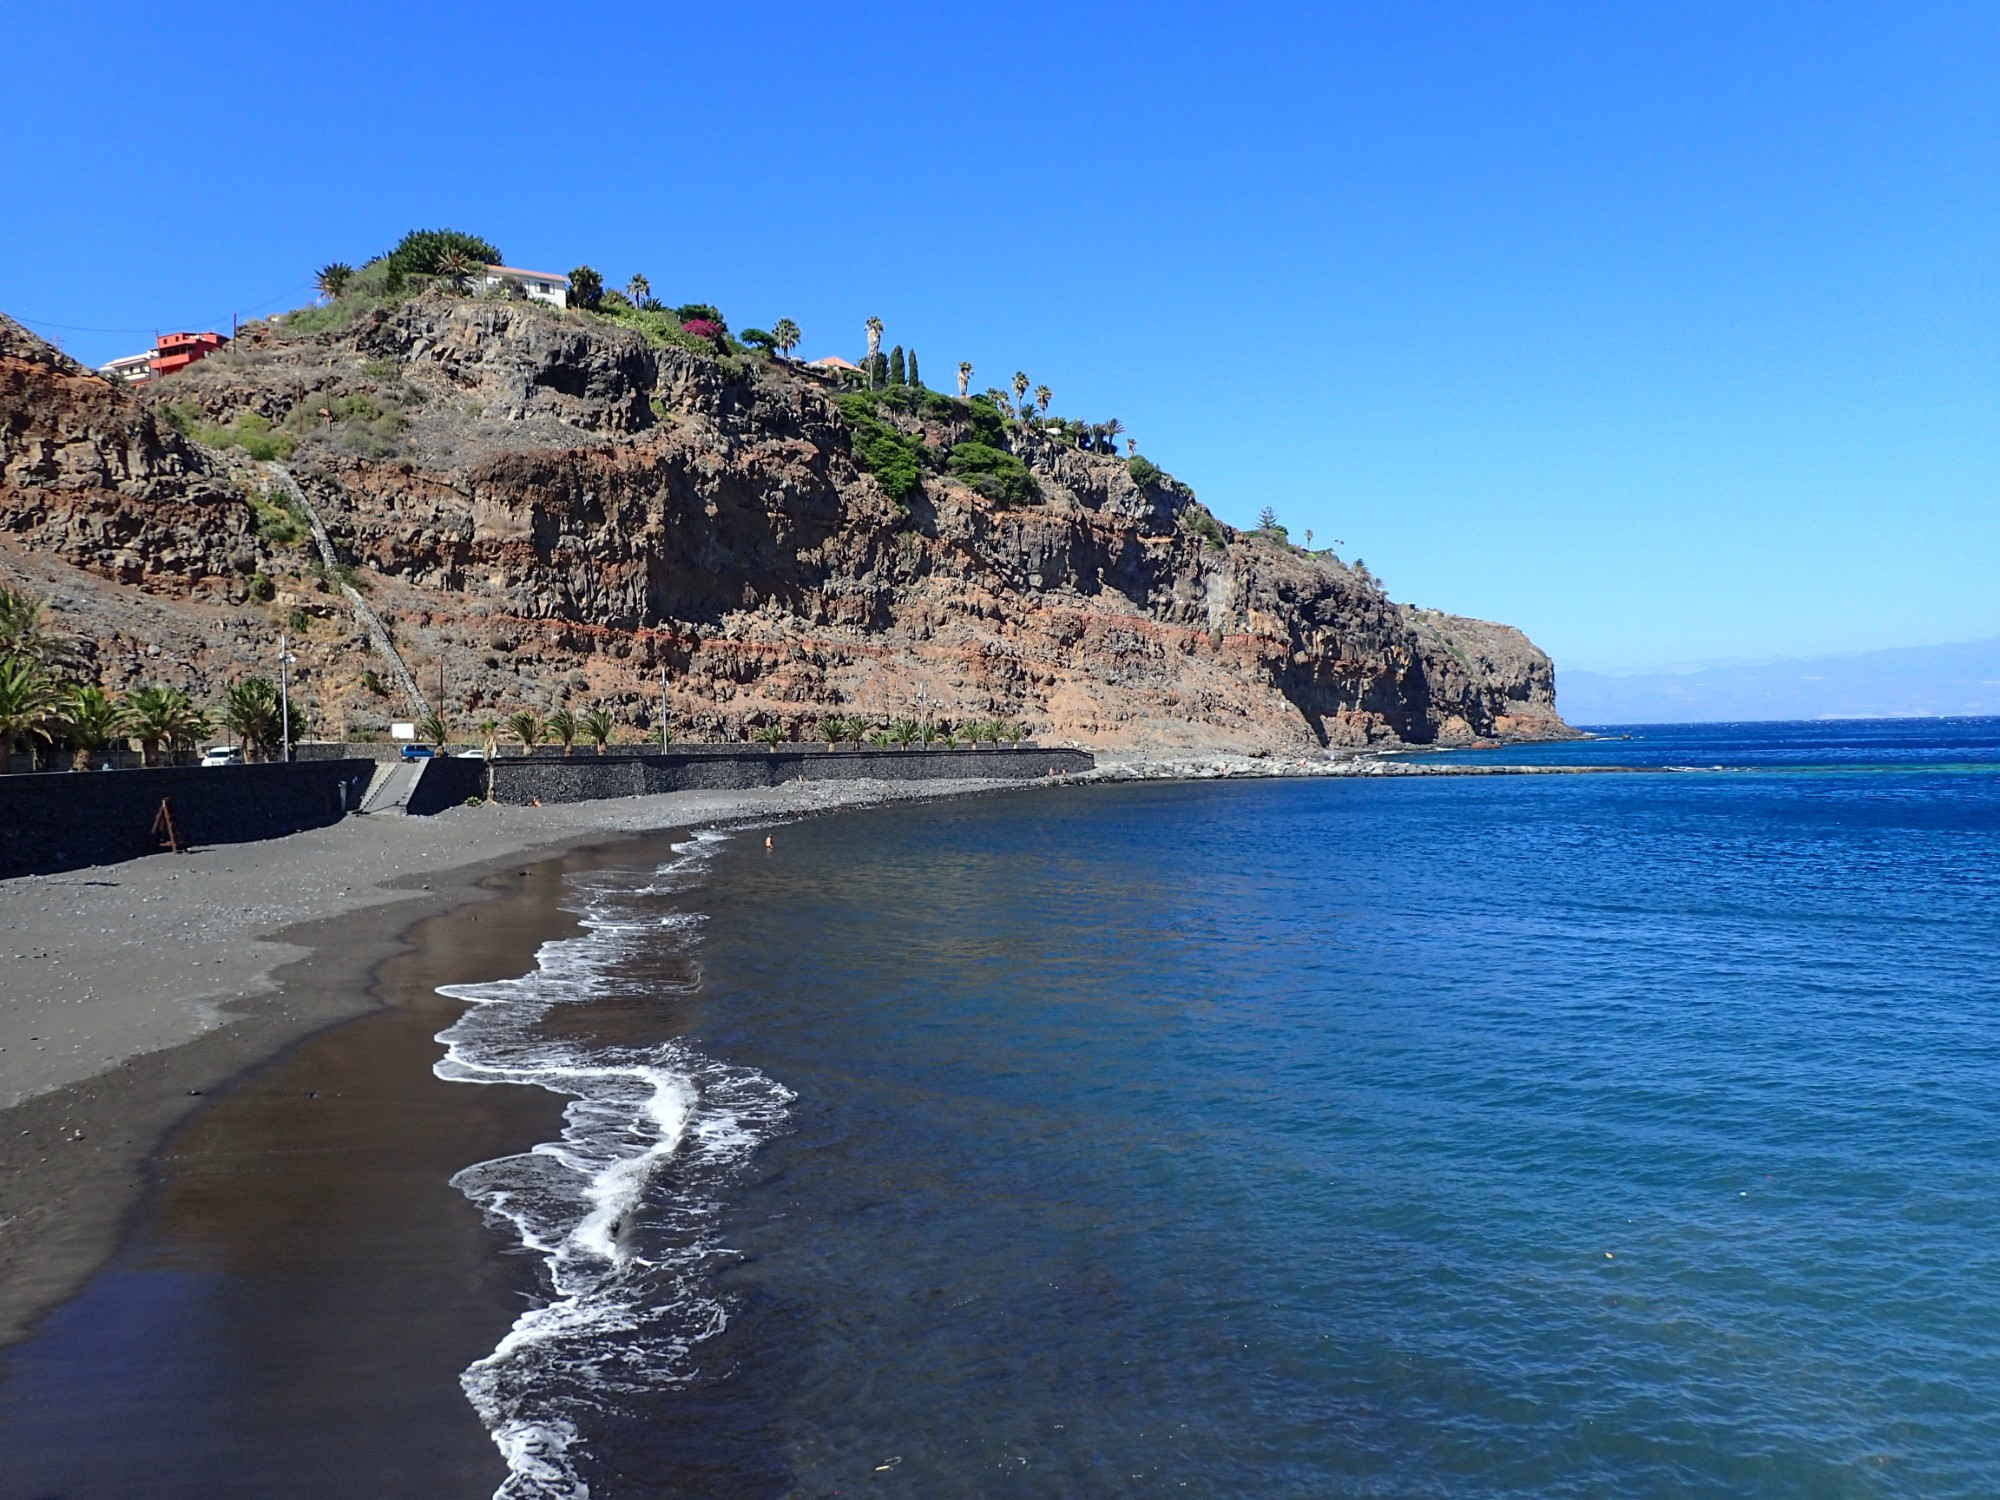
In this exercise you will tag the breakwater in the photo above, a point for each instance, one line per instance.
(520, 780)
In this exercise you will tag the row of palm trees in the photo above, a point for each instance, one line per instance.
(526, 728)
(902, 733)
(43, 712)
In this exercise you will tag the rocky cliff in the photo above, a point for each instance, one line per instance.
(544, 509)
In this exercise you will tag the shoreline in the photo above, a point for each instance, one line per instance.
(156, 983)
(148, 987)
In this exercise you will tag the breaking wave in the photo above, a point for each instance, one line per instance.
(623, 1208)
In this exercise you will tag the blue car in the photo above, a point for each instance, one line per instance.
(418, 752)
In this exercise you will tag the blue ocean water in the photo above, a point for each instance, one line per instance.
(1492, 1136)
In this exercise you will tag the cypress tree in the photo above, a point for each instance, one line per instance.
(915, 379)
(896, 366)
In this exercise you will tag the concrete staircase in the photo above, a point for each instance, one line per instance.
(390, 789)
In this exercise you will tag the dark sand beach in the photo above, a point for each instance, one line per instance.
(293, 1303)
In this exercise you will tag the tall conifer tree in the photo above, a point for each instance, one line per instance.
(896, 376)
(915, 379)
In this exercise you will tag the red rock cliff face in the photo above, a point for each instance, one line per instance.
(89, 475)
(551, 511)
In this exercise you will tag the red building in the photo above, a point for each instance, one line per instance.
(176, 351)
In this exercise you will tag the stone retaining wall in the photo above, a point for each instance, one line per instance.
(584, 777)
(63, 820)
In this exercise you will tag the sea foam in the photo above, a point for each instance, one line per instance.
(623, 1208)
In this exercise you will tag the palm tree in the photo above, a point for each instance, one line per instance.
(1020, 388)
(597, 727)
(563, 728)
(524, 728)
(250, 709)
(24, 627)
(489, 737)
(785, 334)
(89, 720)
(455, 268)
(1043, 396)
(28, 701)
(833, 730)
(874, 326)
(1111, 431)
(162, 716)
(332, 278)
(639, 289)
(434, 729)
(964, 377)
(904, 732)
(771, 736)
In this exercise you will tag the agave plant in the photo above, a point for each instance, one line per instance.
(563, 729)
(524, 729)
(597, 727)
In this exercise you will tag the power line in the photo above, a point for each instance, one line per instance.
(184, 322)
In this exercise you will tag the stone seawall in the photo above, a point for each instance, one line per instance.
(584, 777)
(63, 820)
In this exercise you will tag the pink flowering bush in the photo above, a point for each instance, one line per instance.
(702, 328)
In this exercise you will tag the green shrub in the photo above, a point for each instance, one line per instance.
(261, 587)
(251, 431)
(896, 461)
(1202, 524)
(988, 426)
(278, 524)
(382, 369)
(995, 474)
(1145, 473)
(422, 251)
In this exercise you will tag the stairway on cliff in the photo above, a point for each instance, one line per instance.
(385, 644)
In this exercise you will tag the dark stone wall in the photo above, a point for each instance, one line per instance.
(63, 820)
(585, 777)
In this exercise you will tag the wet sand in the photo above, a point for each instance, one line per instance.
(292, 1306)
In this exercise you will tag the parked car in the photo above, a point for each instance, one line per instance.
(222, 755)
(418, 752)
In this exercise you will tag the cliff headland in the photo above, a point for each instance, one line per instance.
(547, 507)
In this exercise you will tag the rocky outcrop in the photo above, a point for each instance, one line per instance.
(545, 509)
(90, 475)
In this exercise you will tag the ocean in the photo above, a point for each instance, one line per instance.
(1485, 1136)
(1526, 1136)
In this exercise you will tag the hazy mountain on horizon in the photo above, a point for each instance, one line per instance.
(1908, 682)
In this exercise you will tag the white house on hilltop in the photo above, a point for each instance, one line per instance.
(539, 286)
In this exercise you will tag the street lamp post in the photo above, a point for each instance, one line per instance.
(285, 695)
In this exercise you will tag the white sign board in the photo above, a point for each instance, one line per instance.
(402, 731)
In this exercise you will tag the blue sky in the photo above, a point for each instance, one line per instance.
(1664, 331)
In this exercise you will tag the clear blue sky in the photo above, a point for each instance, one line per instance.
(1665, 331)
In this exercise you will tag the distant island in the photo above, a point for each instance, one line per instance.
(1915, 682)
(464, 491)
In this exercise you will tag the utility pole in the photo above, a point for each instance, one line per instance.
(663, 710)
